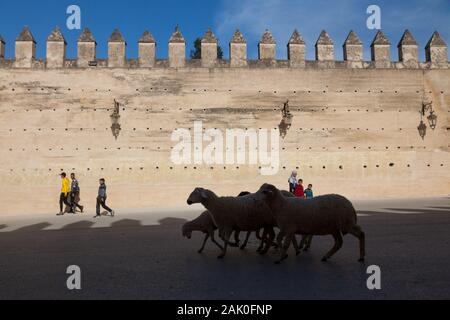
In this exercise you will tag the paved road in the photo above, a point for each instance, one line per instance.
(141, 255)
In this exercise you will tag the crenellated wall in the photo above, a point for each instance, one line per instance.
(435, 52)
(354, 126)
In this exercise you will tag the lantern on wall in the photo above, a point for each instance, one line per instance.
(432, 120)
(115, 116)
(422, 129)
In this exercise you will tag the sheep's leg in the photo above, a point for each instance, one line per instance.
(258, 234)
(308, 242)
(302, 242)
(214, 241)
(236, 239)
(279, 239)
(226, 240)
(242, 247)
(263, 238)
(286, 244)
(337, 245)
(204, 242)
(270, 235)
(305, 243)
(297, 247)
(357, 232)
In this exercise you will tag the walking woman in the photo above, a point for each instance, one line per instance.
(292, 181)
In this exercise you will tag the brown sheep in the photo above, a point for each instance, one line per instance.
(323, 215)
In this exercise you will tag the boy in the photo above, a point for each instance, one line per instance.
(65, 188)
(299, 189)
(75, 194)
(309, 192)
(101, 199)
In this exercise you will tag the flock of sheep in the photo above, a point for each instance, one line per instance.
(269, 208)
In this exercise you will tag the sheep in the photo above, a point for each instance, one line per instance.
(245, 213)
(323, 215)
(205, 224)
(304, 244)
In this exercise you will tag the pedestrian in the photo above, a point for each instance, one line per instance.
(65, 189)
(292, 181)
(309, 192)
(101, 199)
(75, 194)
(299, 192)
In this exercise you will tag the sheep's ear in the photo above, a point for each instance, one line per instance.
(203, 194)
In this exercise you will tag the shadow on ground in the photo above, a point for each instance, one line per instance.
(130, 261)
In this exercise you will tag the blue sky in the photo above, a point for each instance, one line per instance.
(252, 17)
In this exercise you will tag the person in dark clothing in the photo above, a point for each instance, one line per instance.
(75, 194)
(101, 199)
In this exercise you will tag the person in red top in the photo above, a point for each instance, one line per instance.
(299, 192)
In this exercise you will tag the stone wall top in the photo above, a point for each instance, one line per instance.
(436, 52)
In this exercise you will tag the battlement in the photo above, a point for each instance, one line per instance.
(25, 52)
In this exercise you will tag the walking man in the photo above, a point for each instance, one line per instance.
(101, 199)
(75, 194)
(65, 189)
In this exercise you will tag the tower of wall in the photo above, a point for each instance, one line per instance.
(324, 47)
(267, 47)
(116, 50)
(408, 52)
(25, 49)
(209, 49)
(146, 50)
(436, 52)
(86, 46)
(56, 49)
(177, 49)
(2, 47)
(238, 50)
(296, 50)
(381, 51)
(353, 50)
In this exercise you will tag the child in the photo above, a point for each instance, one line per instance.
(75, 194)
(299, 189)
(309, 192)
(101, 199)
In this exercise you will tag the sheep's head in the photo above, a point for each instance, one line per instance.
(186, 231)
(197, 196)
(267, 191)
